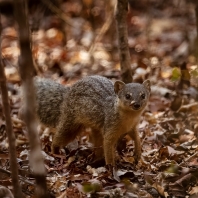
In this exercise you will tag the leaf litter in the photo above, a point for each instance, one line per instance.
(168, 127)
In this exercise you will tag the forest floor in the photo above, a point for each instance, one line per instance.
(162, 44)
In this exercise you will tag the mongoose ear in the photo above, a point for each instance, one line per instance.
(147, 84)
(118, 86)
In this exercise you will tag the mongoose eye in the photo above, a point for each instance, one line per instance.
(128, 96)
(143, 96)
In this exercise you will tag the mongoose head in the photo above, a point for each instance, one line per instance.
(132, 96)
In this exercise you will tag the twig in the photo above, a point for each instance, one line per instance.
(125, 62)
(26, 70)
(9, 131)
(101, 33)
(188, 159)
(58, 12)
(38, 70)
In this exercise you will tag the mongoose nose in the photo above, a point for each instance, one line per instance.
(136, 106)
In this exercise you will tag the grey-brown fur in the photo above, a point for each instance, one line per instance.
(92, 102)
(49, 98)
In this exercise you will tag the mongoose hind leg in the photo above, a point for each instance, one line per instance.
(96, 139)
(64, 135)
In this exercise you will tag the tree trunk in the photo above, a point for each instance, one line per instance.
(9, 131)
(125, 60)
(26, 71)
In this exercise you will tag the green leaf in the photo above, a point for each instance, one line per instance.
(91, 187)
(176, 74)
(194, 73)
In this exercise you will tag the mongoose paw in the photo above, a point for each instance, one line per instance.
(110, 168)
(113, 172)
(137, 157)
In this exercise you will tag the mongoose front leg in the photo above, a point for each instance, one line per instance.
(110, 141)
(136, 138)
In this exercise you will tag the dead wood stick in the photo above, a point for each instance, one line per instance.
(125, 60)
(9, 131)
(102, 31)
(58, 12)
(26, 70)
